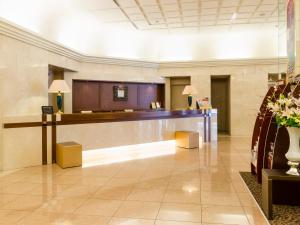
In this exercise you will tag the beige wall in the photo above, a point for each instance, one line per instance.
(23, 89)
(24, 75)
(247, 89)
(24, 84)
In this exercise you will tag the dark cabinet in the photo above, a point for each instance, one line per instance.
(86, 96)
(99, 96)
(107, 97)
(147, 94)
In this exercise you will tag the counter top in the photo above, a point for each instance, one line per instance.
(78, 118)
(105, 117)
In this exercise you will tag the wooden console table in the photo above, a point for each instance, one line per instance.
(279, 187)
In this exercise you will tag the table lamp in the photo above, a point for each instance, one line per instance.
(59, 86)
(189, 90)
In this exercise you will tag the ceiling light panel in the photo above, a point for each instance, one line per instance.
(247, 8)
(250, 2)
(141, 23)
(258, 20)
(132, 10)
(191, 24)
(225, 16)
(227, 10)
(172, 14)
(188, 13)
(147, 2)
(173, 2)
(238, 21)
(126, 3)
(207, 23)
(243, 15)
(188, 1)
(154, 15)
(157, 21)
(208, 17)
(209, 11)
(228, 3)
(158, 26)
(175, 25)
(275, 13)
(272, 19)
(190, 18)
(151, 9)
(223, 22)
(170, 7)
(273, 2)
(174, 20)
(262, 14)
(267, 7)
(136, 17)
(210, 4)
(189, 6)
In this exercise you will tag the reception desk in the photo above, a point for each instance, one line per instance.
(24, 141)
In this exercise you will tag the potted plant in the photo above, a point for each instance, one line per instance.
(286, 110)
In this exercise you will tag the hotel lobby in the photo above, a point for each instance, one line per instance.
(149, 112)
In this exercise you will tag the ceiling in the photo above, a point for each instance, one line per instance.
(178, 14)
(157, 30)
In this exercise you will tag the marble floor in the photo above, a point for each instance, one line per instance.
(192, 187)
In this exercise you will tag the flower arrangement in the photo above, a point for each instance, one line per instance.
(286, 110)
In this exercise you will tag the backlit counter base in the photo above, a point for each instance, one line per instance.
(102, 132)
(104, 156)
(104, 135)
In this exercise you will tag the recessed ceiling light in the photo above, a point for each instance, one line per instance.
(234, 15)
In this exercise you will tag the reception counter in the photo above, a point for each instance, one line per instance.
(99, 130)
(23, 141)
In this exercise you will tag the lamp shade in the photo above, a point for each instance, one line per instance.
(189, 90)
(59, 86)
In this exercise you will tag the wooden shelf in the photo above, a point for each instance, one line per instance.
(270, 140)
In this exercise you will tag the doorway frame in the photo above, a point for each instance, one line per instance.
(228, 78)
(180, 84)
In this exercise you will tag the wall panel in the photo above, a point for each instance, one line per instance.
(98, 95)
(87, 96)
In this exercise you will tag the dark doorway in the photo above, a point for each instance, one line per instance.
(179, 101)
(220, 99)
(54, 73)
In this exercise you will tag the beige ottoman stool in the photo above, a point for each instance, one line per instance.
(68, 154)
(187, 139)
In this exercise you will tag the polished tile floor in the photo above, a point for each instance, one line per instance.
(192, 187)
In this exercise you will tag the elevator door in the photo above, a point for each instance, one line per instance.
(220, 101)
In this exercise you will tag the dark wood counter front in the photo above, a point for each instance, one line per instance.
(78, 118)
